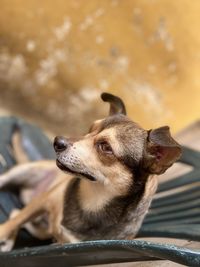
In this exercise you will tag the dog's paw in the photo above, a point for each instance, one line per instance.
(6, 245)
(7, 236)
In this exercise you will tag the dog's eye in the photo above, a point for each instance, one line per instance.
(105, 147)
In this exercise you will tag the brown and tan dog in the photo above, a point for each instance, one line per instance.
(106, 186)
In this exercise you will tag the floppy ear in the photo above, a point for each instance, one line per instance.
(161, 150)
(116, 104)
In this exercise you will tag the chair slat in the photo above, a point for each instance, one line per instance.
(186, 179)
(176, 198)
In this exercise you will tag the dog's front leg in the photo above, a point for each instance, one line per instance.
(50, 202)
(6, 245)
(9, 229)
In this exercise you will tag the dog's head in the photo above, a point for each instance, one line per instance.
(117, 149)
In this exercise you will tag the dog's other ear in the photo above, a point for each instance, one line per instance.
(161, 150)
(116, 104)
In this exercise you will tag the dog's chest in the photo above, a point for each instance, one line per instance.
(108, 223)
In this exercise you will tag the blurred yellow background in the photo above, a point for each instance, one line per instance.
(56, 57)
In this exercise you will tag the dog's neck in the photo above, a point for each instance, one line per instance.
(94, 196)
(91, 209)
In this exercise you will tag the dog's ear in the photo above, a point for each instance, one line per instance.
(161, 150)
(116, 104)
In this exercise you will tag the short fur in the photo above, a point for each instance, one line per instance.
(106, 186)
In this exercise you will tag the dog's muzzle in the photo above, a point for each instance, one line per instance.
(62, 144)
(66, 169)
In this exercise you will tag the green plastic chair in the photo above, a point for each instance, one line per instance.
(176, 215)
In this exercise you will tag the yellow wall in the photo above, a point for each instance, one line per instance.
(57, 56)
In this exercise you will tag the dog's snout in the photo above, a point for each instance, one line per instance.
(60, 144)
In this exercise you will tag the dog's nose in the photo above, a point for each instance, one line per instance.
(60, 144)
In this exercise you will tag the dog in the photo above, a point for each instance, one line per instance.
(102, 186)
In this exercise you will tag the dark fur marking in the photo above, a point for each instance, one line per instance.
(131, 137)
(105, 224)
(113, 121)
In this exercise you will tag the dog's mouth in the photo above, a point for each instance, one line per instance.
(66, 169)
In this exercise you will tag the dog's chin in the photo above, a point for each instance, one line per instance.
(78, 174)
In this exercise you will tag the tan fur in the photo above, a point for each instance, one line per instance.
(95, 196)
(18, 151)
